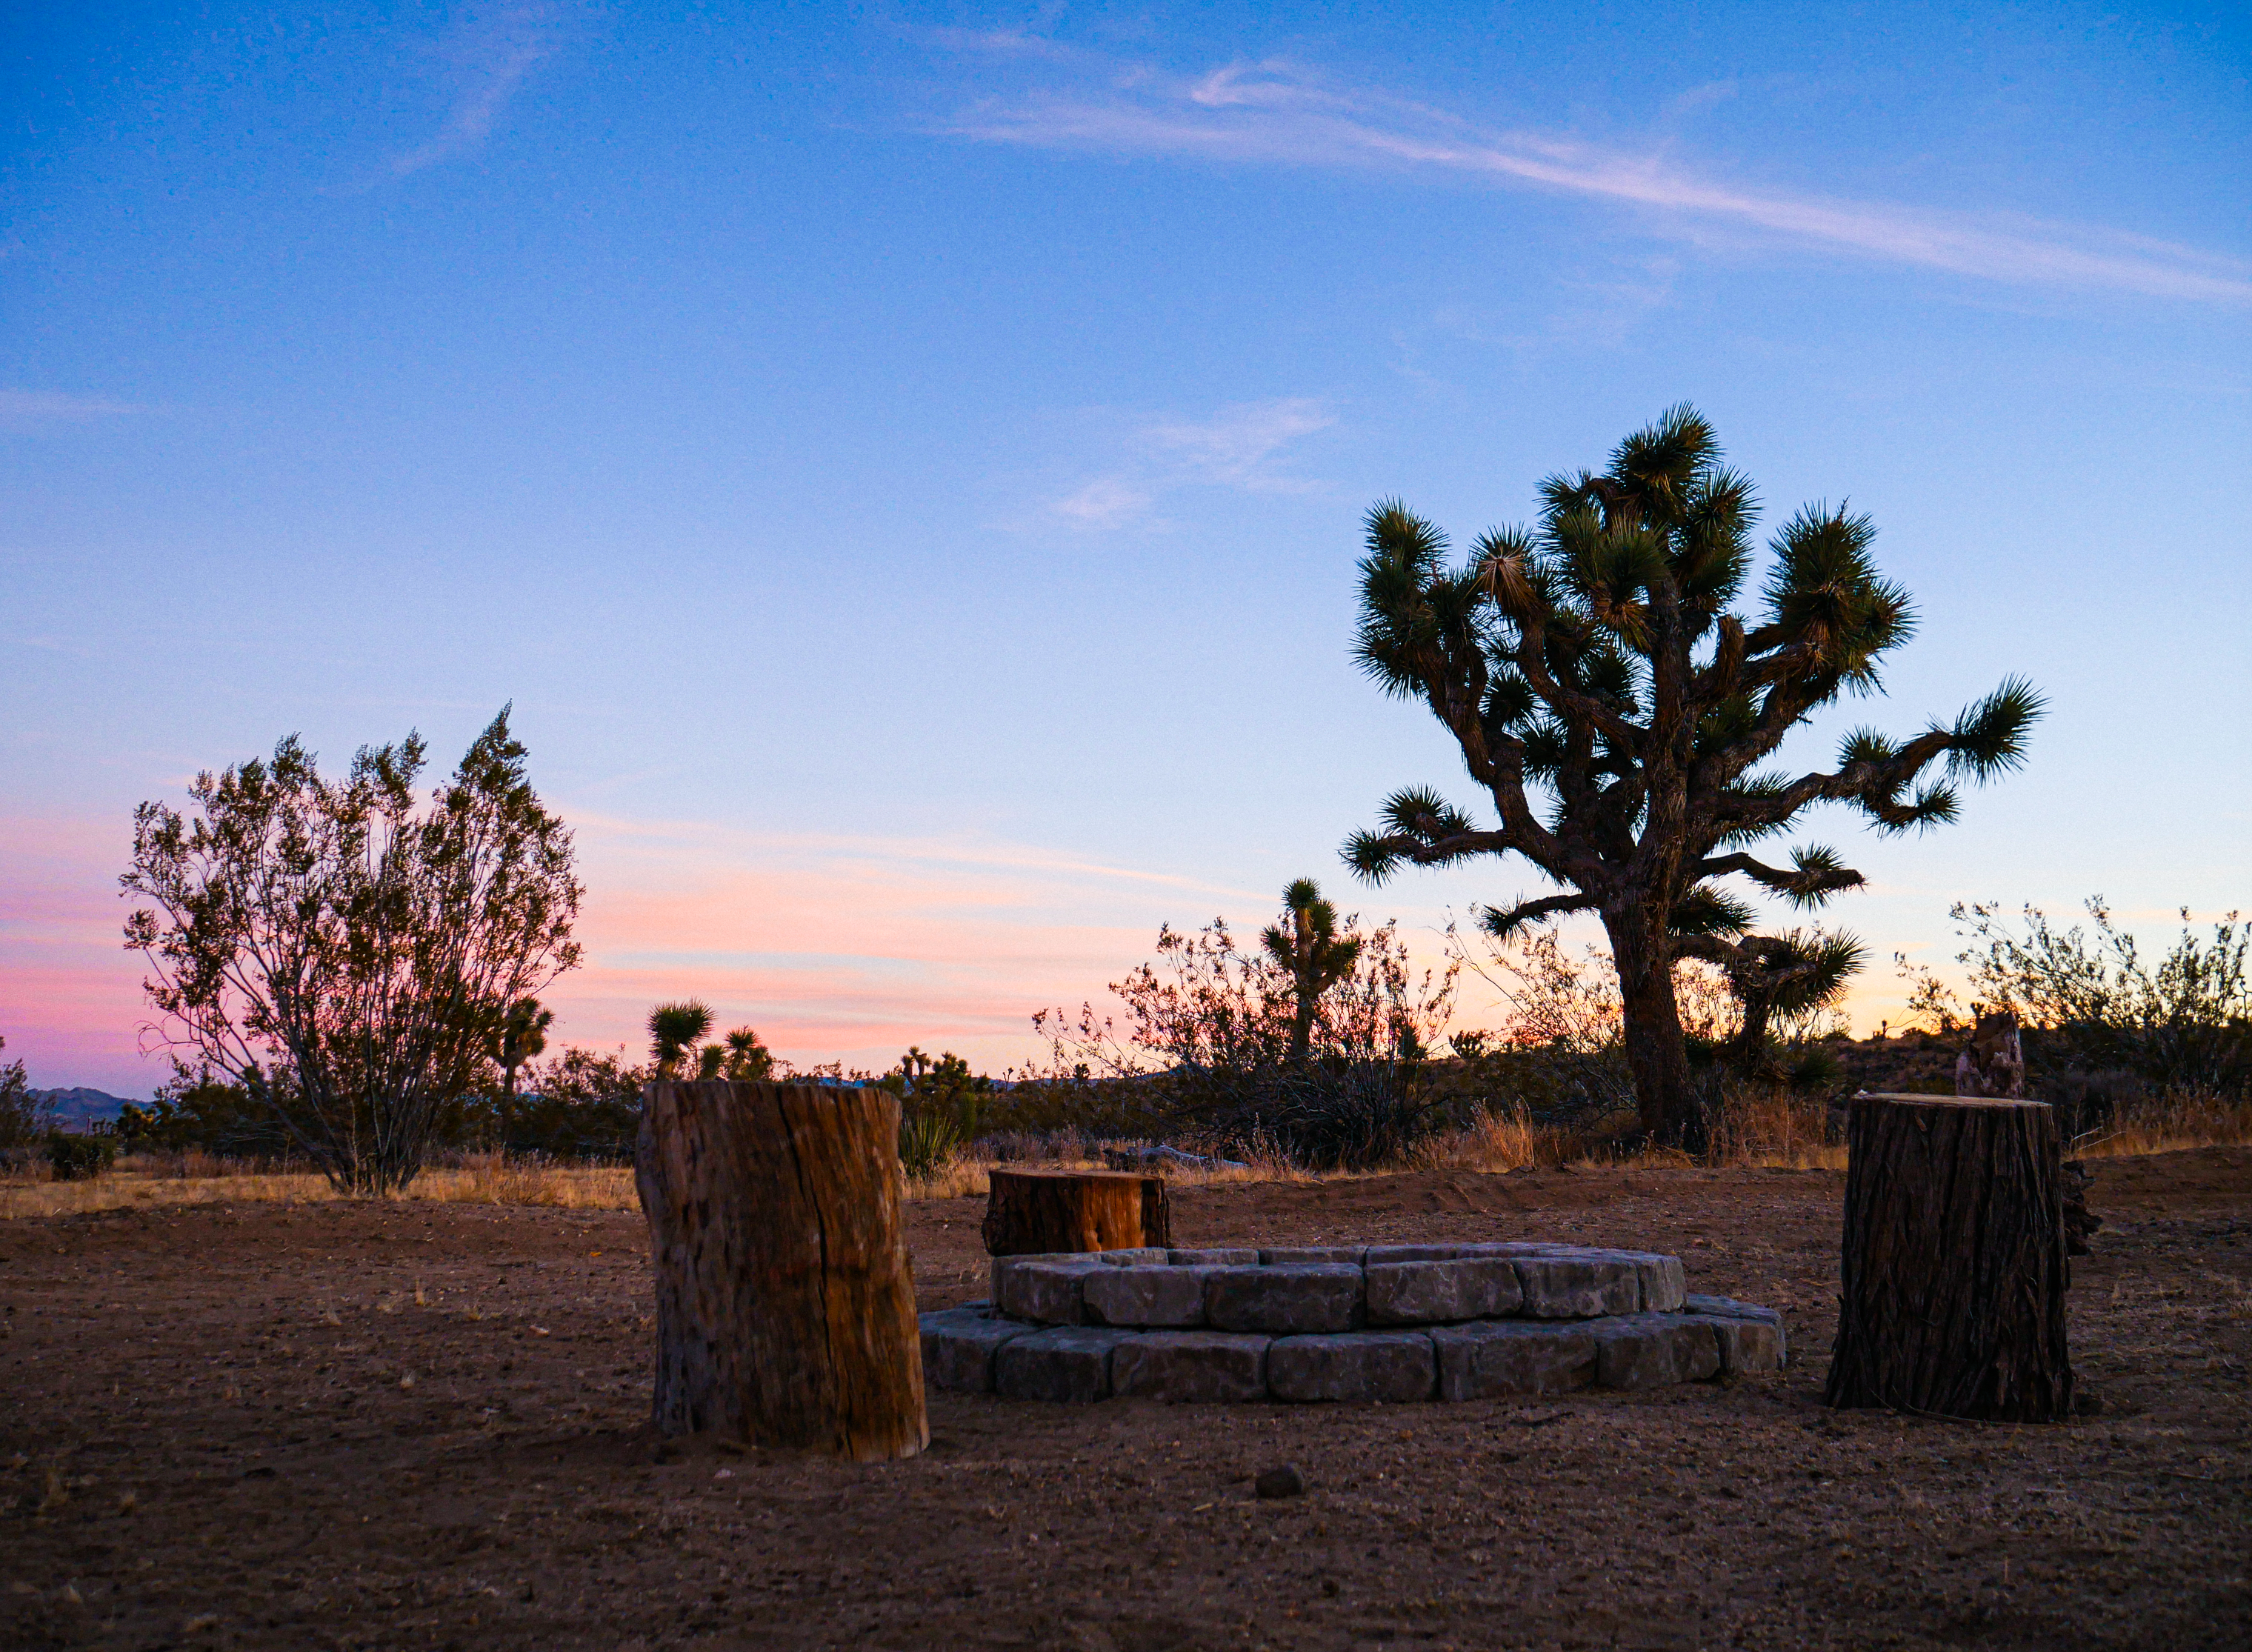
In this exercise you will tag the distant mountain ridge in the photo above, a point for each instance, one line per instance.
(78, 1107)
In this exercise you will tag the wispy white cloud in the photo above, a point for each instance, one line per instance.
(1239, 446)
(1107, 501)
(1278, 114)
(1242, 446)
(22, 411)
(488, 54)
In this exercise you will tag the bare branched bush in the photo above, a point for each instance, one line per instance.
(1210, 1039)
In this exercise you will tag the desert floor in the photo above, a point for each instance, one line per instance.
(419, 1424)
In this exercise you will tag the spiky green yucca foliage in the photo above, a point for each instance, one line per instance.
(1617, 713)
(674, 1029)
(1313, 953)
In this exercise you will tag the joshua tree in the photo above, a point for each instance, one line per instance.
(521, 1035)
(674, 1030)
(1617, 713)
(1313, 953)
(746, 1056)
(1794, 974)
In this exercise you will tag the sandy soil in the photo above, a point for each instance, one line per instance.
(421, 1425)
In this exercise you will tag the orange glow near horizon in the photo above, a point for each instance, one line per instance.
(835, 948)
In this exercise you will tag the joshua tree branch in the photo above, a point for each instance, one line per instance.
(1805, 883)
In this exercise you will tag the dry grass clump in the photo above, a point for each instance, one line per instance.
(1753, 1126)
(2168, 1120)
(128, 1189)
(154, 1181)
(1768, 1125)
(493, 1178)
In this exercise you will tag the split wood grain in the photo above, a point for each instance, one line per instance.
(785, 1300)
(1954, 1268)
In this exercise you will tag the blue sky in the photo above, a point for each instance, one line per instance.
(903, 463)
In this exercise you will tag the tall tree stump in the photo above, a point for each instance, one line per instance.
(1031, 1212)
(1954, 1276)
(785, 1303)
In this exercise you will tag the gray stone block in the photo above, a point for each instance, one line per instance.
(1001, 1266)
(1320, 1297)
(1305, 1255)
(1356, 1368)
(1746, 1345)
(1237, 1256)
(1665, 1286)
(1655, 1350)
(1496, 1357)
(1140, 1256)
(1578, 1287)
(1190, 1367)
(1379, 1253)
(1433, 1293)
(1069, 1363)
(1041, 1288)
(1144, 1295)
(958, 1345)
(1728, 1308)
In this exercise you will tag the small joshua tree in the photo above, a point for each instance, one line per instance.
(520, 1035)
(675, 1030)
(1616, 715)
(1313, 954)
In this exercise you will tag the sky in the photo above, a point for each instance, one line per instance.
(903, 464)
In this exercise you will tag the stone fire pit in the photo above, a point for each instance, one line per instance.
(1352, 1323)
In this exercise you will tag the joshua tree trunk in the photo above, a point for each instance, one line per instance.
(507, 1106)
(1655, 1054)
(1302, 1022)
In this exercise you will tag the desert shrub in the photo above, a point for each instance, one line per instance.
(195, 1111)
(1207, 1049)
(72, 1158)
(2092, 1006)
(583, 1106)
(25, 1119)
(343, 948)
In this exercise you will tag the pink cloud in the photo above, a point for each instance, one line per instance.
(834, 948)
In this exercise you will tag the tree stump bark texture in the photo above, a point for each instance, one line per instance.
(1954, 1271)
(785, 1302)
(1034, 1212)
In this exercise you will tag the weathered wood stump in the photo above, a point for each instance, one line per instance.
(1952, 1303)
(785, 1304)
(1032, 1212)
(1993, 1062)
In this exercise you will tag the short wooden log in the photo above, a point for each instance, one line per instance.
(785, 1302)
(1034, 1212)
(1954, 1271)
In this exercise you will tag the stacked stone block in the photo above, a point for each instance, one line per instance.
(1342, 1323)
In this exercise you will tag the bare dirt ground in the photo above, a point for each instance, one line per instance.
(422, 1425)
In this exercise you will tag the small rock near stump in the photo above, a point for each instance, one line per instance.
(1285, 1481)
